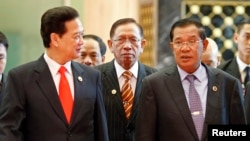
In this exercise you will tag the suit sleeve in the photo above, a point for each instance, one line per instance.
(145, 129)
(12, 111)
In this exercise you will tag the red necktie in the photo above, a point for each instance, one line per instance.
(65, 94)
(127, 93)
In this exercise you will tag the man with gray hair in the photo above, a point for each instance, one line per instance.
(211, 56)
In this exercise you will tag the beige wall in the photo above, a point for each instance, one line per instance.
(99, 15)
(20, 21)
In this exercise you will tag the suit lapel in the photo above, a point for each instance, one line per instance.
(174, 85)
(213, 98)
(110, 82)
(2, 87)
(48, 88)
(141, 75)
(233, 69)
(79, 80)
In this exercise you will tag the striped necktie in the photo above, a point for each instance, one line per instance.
(127, 93)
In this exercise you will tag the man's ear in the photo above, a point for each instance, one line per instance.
(110, 44)
(219, 58)
(205, 44)
(171, 46)
(235, 37)
(54, 39)
(143, 45)
(103, 58)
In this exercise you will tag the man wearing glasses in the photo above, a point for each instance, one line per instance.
(126, 43)
(179, 102)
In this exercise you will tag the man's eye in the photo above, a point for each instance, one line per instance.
(177, 42)
(77, 37)
(2, 56)
(133, 40)
(192, 41)
(94, 55)
(247, 37)
(120, 39)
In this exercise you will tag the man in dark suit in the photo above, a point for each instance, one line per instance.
(166, 108)
(211, 55)
(247, 102)
(126, 43)
(4, 45)
(236, 66)
(33, 107)
(93, 51)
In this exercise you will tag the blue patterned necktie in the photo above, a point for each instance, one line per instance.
(195, 106)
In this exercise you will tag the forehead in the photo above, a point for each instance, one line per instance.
(245, 29)
(90, 44)
(127, 29)
(2, 48)
(188, 31)
(74, 25)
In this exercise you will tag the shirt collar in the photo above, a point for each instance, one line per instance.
(54, 66)
(199, 73)
(241, 64)
(120, 69)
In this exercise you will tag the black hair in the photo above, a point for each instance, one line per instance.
(241, 24)
(124, 21)
(186, 22)
(99, 40)
(53, 21)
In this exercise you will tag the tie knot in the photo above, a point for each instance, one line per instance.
(127, 74)
(62, 70)
(190, 78)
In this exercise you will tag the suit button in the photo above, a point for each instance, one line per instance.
(69, 134)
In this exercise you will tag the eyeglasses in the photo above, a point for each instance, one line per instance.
(190, 43)
(122, 41)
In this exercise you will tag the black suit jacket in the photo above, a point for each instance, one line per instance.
(231, 67)
(2, 87)
(31, 109)
(120, 129)
(164, 115)
(247, 102)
